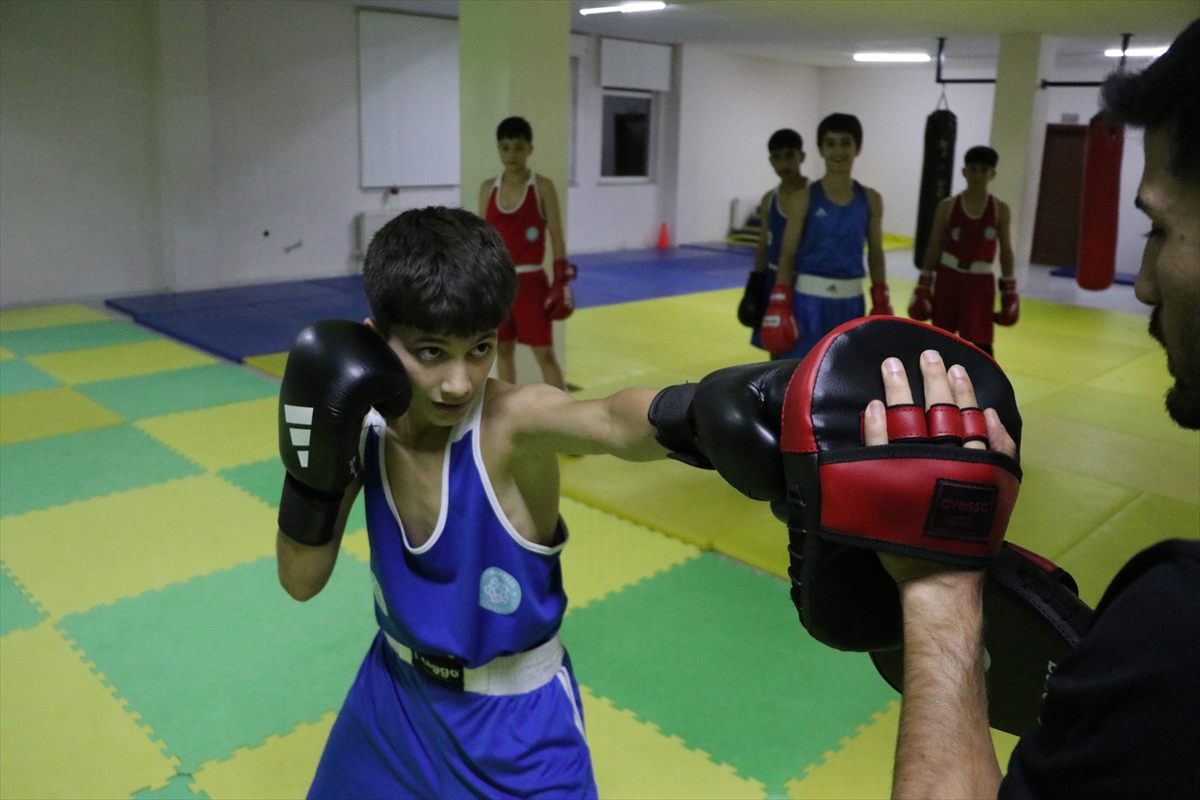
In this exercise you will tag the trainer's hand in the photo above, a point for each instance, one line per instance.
(941, 386)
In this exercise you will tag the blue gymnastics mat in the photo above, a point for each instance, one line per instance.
(243, 321)
(1120, 278)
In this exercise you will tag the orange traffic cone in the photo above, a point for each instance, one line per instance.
(664, 241)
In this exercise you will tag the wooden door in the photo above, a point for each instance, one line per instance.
(1060, 197)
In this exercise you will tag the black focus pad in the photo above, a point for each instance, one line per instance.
(1032, 618)
(849, 376)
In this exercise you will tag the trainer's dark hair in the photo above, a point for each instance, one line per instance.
(1164, 94)
(840, 123)
(514, 128)
(785, 139)
(982, 154)
(442, 271)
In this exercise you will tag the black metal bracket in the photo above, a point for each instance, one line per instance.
(941, 60)
(1125, 37)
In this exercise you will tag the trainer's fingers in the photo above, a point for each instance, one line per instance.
(896, 391)
(875, 424)
(937, 385)
(997, 435)
(964, 396)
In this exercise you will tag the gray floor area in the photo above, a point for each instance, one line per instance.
(1041, 285)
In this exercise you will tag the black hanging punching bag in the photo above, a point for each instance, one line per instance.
(937, 171)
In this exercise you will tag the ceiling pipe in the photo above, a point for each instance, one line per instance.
(1125, 37)
(941, 60)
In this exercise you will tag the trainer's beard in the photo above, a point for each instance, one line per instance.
(1183, 399)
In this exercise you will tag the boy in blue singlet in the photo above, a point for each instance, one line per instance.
(785, 149)
(819, 282)
(466, 690)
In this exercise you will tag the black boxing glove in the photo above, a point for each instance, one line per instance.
(336, 372)
(730, 422)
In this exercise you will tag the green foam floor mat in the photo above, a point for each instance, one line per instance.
(40, 341)
(78, 466)
(19, 376)
(178, 390)
(712, 651)
(224, 660)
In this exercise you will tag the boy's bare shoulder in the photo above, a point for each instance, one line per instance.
(544, 184)
(519, 407)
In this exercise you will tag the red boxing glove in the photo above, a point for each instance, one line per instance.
(560, 302)
(881, 303)
(921, 306)
(779, 330)
(1010, 303)
(564, 270)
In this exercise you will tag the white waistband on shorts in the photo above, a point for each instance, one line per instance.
(503, 675)
(828, 287)
(973, 267)
(529, 268)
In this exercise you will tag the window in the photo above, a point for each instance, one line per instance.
(627, 135)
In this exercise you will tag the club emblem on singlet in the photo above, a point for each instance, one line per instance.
(531, 233)
(499, 591)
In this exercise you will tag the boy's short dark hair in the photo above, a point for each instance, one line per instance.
(840, 123)
(785, 139)
(514, 128)
(1166, 93)
(440, 270)
(983, 155)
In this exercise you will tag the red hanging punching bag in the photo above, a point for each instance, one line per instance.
(1097, 263)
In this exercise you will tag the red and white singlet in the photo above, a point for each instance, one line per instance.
(971, 241)
(523, 229)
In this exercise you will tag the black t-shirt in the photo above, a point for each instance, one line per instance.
(1121, 716)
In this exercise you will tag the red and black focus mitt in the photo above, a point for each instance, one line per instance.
(922, 495)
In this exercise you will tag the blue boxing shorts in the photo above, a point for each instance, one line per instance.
(401, 735)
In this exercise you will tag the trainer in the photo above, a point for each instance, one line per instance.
(1121, 713)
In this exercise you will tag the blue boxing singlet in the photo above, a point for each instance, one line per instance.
(476, 589)
(488, 603)
(834, 236)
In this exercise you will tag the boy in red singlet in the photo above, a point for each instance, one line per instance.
(961, 294)
(523, 207)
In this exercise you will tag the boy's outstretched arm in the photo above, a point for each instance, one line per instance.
(548, 419)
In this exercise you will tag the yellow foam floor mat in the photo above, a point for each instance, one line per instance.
(24, 319)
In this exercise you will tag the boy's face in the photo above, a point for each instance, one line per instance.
(447, 372)
(514, 153)
(787, 161)
(978, 175)
(839, 151)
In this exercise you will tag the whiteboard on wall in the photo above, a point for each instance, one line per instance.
(408, 100)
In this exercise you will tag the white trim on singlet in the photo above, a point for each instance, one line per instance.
(536, 195)
(375, 420)
(486, 481)
(958, 198)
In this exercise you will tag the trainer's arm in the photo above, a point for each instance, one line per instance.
(876, 264)
(550, 420)
(796, 210)
(554, 226)
(761, 256)
(304, 569)
(937, 235)
(1003, 222)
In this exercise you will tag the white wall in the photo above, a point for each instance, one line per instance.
(617, 215)
(78, 191)
(730, 104)
(892, 102)
(284, 83)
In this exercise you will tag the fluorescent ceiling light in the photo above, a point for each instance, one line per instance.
(912, 57)
(1137, 52)
(624, 8)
